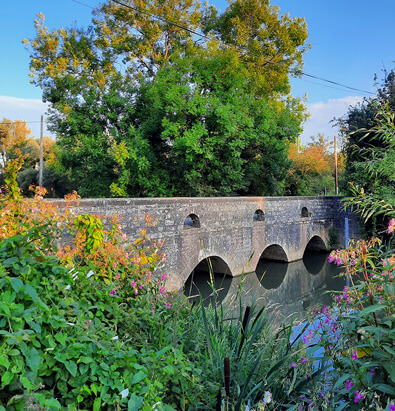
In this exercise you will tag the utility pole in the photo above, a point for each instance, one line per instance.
(40, 175)
(336, 185)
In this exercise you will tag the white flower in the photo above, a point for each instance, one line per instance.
(125, 393)
(68, 287)
(267, 397)
(115, 338)
(90, 274)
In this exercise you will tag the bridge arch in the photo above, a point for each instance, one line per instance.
(192, 221)
(315, 255)
(259, 215)
(210, 271)
(274, 252)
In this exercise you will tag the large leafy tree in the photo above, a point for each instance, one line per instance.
(368, 129)
(144, 106)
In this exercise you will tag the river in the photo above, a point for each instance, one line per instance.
(286, 289)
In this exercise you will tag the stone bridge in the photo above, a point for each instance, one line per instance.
(235, 232)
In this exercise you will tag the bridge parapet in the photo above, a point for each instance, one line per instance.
(229, 228)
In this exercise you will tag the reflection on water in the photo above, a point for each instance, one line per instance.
(288, 288)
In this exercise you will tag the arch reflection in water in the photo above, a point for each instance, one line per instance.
(272, 267)
(209, 273)
(315, 255)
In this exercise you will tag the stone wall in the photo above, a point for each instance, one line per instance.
(227, 228)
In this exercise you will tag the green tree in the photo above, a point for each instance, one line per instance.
(144, 107)
(368, 129)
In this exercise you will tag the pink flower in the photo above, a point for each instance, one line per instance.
(349, 384)
(391, 227)
(392, 407)
(358, 396)
(114, 264)
(140, 286)
(113, 291)
(168, 305)
(153, 309)
(354, 355)
(133, 284)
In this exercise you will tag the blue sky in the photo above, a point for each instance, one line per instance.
(351, 41)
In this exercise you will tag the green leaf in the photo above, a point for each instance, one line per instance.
(71, 367)
(138, 377)
(54, 403)
(17, 284)
(6, 378)
(135, 402)
(62, 338)
(97, 404)
(388, 389)
(33, 359)
(4, 361)
(26, 383)
(370, 309)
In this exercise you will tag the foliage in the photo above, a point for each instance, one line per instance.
(14, 136)
(313, 168)
(153, 111)
(66, 337)
(369, 131)
(357, 334)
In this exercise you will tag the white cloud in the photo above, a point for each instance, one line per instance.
(29, 110)
(323, 112)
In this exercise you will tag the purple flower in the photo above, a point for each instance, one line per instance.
(293, 365)
(303, 360)
(168, 305)
(358, 396)
(349, 385)
(113, 291)
(372, 372)
(354, 355)
(392, 407)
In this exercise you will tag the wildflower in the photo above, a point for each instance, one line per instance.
(168, 305)
(140, 286)
(303, 360)
(90, 274)
(372, 372)
(293, 365)
(137, 293)
(354, 355)
(391, 226)
(358, 396)
(68, 287)
(114, 264)
(153, 309)
(267, 398)
(392, 407)
(115, 338)
(133, 284)
(113, 291)
(349, 385)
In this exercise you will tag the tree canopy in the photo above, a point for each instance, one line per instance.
(160, 98)
(369, 132)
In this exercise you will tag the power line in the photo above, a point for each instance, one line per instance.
(226, 45)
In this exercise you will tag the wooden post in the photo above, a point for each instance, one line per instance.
(336, 185)
(40, 175)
